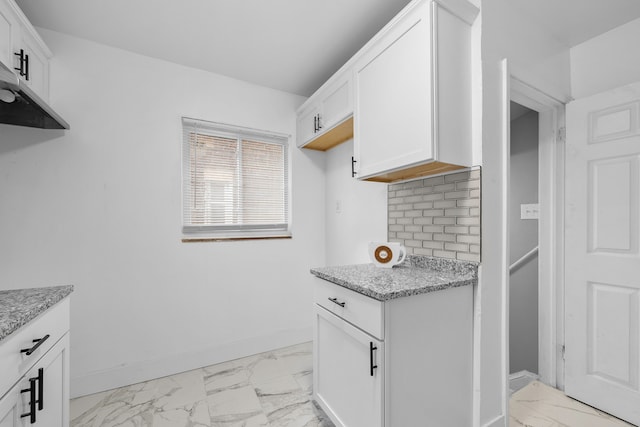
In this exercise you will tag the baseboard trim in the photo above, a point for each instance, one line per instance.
(136, 372)
(499, 421)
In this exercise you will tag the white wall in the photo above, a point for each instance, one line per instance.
(99, 207)
(362, 217)
(539, 60)
(607, 61)
(523, 236)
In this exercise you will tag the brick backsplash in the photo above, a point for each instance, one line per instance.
(437, 216)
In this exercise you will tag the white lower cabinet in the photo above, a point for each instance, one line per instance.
(47, 405)
(347, 355)
(40, 397)
(415, 371)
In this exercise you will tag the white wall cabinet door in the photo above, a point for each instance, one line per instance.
(330, 106)
(306, 125)
(9, 31)
(393, 112)
(38, 68)
(344, 382)
(336, 102)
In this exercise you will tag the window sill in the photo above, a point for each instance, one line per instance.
(232, 238)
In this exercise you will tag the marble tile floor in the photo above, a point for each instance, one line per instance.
(271, 389)
(538, 405)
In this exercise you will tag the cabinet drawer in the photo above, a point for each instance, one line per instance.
(360, 310)
(14, 363)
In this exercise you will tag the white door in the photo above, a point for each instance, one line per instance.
(602, 280)
(347, 372)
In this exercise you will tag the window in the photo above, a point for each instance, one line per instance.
(235, 181)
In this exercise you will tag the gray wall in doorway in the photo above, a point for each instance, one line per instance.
(523, 292)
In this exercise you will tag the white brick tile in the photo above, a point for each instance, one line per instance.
(423, 220)
(444, 237)
(463, 194)
(460, 176)
(474, 220)
(444, 221)
(444, 254)
(432, 245)
(444, 187)
(456, 229)
(465, 238)
(468, 257)
(458, 247)
(444, 204)
(457, 212)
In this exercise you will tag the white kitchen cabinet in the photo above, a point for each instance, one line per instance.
(37, 74)
(325, 119)
(23, 50)
(412, 81)
(420, 346)
(9, 32)
(45, 371)
(345, 355)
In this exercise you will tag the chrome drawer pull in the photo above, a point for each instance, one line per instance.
(335, 301)
(37, 344)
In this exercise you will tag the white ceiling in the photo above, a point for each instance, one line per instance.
(290, 45)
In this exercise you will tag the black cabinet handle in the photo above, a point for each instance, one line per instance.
(20, 56)
(353, 166)
(37, 342)
(24, 64)
(32, 400)
(40, 389)
(335, 301)
(319, 125)
(315, 123)
(371, 350)
(26, 67)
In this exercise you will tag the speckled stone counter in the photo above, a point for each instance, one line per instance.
(416, 275)
(18, 307)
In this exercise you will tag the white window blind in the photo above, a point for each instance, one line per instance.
(235, 180)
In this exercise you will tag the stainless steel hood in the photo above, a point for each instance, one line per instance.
(19, 105)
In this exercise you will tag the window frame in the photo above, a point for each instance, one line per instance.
(192, 232)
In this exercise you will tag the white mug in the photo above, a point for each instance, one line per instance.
(386, 254)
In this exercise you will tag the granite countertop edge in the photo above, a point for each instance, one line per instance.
(365, 278)
(20, 306)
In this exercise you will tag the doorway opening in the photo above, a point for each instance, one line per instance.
(524, 211)
(535, 176)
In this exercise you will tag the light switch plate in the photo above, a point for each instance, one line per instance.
(530, 211)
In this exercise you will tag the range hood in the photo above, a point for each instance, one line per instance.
(19, 105)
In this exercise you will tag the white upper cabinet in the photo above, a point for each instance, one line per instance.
(9, 32)
(324, 120)
(405, 97)
(22, 50)
(36, 64)
(413, 96)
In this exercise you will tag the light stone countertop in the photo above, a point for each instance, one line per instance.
(18, 307)
(416, 275)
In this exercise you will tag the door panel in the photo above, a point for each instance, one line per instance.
(613, 208)
(602, 232)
